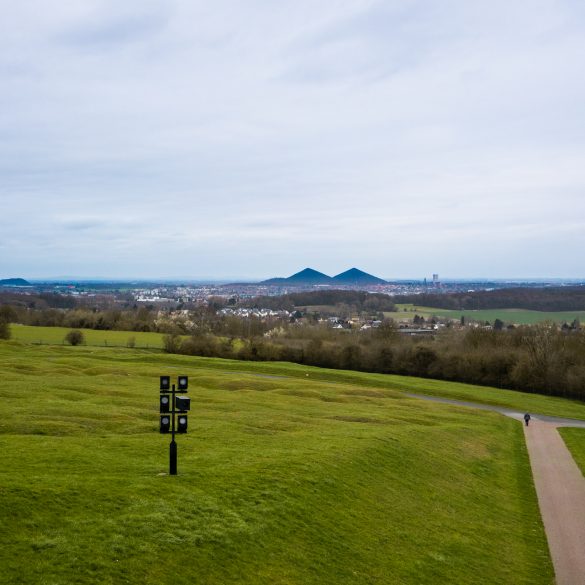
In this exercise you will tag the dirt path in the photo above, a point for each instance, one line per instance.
(560, 487)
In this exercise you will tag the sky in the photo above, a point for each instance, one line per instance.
(195, 139)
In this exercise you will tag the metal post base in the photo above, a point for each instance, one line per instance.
(173, 459)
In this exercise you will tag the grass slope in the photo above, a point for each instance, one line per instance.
(509, 398)
(575, 441)
(282, 480)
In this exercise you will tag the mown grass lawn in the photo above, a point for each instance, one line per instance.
(282, 479)
(575, 440)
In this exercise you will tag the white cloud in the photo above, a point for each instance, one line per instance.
(258, 137)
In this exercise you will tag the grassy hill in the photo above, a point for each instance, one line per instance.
(330, 477)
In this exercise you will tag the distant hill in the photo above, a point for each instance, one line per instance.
(14, 282)
(311, 277)
(308, 276)
(356, 277)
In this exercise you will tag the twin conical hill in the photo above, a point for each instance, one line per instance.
(308, 276)
(357, 277)
(311, 277)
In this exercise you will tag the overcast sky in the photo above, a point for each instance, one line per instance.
(197, 139)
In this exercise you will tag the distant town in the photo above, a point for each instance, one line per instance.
(174, 293)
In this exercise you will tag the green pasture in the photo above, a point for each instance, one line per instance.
(56, 335)
(515, 316)
(575, 441)
(289, 475)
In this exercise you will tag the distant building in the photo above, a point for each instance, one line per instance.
(412, 331)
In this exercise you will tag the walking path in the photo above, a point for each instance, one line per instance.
(560, 487)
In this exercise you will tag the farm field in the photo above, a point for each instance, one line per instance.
(517, 316)
(56, 335)
(283, 478)
(406, 312)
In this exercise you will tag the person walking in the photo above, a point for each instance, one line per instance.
(526, 418)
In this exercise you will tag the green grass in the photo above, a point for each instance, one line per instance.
(486, 395)
(516, 316)
(575, 441)
(283, 478)
(318, 308)
(56, 335)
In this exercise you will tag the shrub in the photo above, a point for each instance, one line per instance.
(202, 345)
(75, 337)
(8, 314)
(5, 332)
(172, 343)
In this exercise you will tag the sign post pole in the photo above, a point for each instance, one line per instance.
(170, 406)
(173, 445)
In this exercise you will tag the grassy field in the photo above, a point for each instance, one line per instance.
(56, 335)
(575, 441)
(509, 398)
(283, 478)
(517, 316)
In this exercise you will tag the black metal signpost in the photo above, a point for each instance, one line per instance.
(173, 402)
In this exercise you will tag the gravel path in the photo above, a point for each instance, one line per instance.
(560, 487)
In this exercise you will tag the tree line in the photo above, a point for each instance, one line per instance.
(203, 319)
(566, 298)
(360, 301)
(541, 358)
